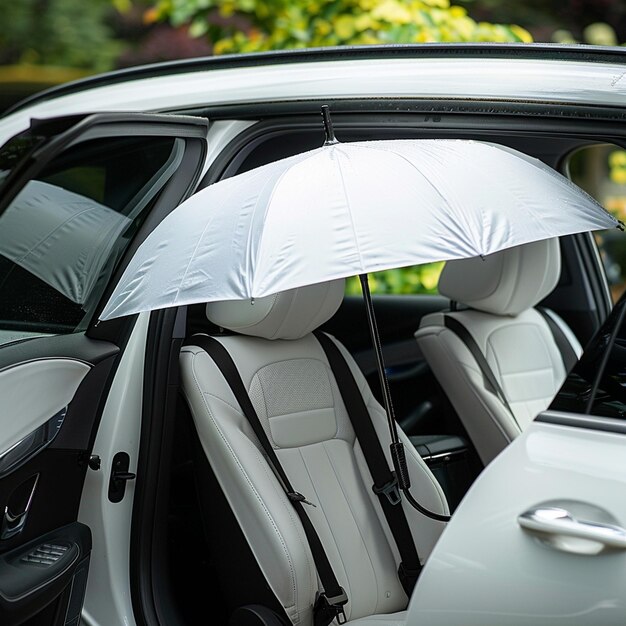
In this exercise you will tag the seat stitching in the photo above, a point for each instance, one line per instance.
(459, 367)
(268, 431)
(251, 486)
(528, 371)
(470, 366)
(330, 373)
(301, 411)
(489, 347)
(294, 519)
(343, 491)
(212, 395)
(345, 569)
(259, 378)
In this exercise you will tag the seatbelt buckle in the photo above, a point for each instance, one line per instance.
(332, 606)
(390, 490)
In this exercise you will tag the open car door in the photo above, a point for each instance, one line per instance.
(540, 538)
(77, 196)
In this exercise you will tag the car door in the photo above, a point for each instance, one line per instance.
(77, 195)
(540, 538)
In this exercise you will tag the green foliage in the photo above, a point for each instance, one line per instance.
(597, 34)
(404, 280)
(257, 25)
(57, 32)
(280, 24)
(617, 166)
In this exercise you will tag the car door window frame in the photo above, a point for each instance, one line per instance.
(183, 173)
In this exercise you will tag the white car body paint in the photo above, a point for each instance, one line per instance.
(107, 600)
(574, 82)
(221, 133)
(542, 585)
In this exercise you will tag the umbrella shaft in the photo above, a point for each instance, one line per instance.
(397, 449)
(380, 362)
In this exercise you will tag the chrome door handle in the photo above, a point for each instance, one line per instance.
(551, 522)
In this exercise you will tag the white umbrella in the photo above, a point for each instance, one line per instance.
(347, 209)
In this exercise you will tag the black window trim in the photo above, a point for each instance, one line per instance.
(576, 420)
(94, 126)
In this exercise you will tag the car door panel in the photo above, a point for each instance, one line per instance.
(35, 574)
(488, 570)
(98, 183)
(40, 492)
(41, 389)
(540, 538)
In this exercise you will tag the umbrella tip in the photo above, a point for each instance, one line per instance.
(328, 126)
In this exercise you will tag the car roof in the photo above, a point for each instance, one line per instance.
(558, 52)
(543, 73)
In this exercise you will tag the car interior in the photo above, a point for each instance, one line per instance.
(532, 310)
(214, 531)
(529, 347)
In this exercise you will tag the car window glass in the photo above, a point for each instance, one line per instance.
(63, 232)
(601, 171)
(416, 279)
(597, 384)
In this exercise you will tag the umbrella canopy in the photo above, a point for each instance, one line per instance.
(347, 209)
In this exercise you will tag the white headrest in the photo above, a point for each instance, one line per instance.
(287, 315)
(507, 282)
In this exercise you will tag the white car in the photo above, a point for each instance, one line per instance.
(117, 507)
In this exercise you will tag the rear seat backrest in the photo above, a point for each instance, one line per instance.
(501, 291)
(296, 397)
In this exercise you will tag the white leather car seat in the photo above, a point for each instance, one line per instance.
(294, 392)
(500, 291)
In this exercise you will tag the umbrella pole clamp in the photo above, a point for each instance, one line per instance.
(398, 456)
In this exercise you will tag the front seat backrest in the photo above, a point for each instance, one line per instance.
(514, 338)
(294, 392)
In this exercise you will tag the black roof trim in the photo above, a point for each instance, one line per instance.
(597, 54)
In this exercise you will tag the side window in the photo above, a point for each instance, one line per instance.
(601, 171)
(416, 279)
(62, 234)
(597, 385)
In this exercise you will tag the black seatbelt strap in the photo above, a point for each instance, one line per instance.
(385, 482)
(330, 603)
(453, 324)
(568, 354)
